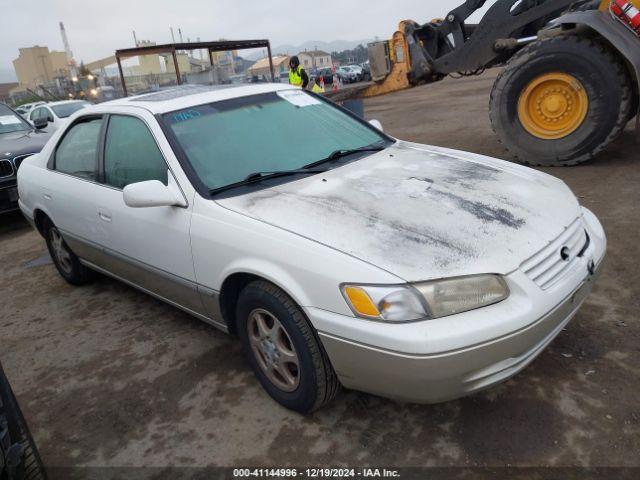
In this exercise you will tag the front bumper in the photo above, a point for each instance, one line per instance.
(442, 359)
(449, 375)
(8, 196)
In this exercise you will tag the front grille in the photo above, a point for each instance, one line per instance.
(17, 161)
(8, 199)
(6, 168)
(547, 267)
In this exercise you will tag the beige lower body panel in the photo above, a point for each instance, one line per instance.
(449, 375)
(184, 294)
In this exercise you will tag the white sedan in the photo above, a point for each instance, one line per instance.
(338, 255)
(49, 117)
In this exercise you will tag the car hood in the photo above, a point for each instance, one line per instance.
(20, 143)
(422, 212)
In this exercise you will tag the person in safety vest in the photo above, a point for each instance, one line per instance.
(297, 75)
(317, 87)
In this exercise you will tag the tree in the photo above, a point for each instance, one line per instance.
(355, 55)
(82, 70)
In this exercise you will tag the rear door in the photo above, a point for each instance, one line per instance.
(148, 247)
(69, 193)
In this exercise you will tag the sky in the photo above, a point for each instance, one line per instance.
(97, 28)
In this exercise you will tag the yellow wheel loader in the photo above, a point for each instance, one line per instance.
(562, 99)
(570, 79)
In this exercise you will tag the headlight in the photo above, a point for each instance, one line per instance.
(425, 300)
(456, 295)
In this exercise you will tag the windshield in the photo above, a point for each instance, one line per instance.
(67, 109)
(11, 122)
(286, 130)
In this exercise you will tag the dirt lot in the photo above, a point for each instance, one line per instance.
(109, 376)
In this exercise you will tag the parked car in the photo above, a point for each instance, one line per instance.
(366, 71)
(359, 71)
(258, 79)
(18, 140)
(26, 108)
(404, 270)
(346, 74)
(326, 74)
(53, 115)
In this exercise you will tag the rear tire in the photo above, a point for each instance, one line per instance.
(605, 81)
(67, 263)
(275, 332)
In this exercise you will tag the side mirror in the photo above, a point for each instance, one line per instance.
(376, 124)
(40, 123)
(151, 193)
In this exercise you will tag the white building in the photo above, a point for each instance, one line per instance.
(314, 60)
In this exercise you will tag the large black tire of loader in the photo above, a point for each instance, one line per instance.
(607, 84)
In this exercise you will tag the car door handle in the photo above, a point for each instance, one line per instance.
(104, 215)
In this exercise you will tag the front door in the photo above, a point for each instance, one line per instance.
(148, 247)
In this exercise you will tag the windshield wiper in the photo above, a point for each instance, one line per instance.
(344, 153)
(277, 173)
(306, 170)
(258, 176)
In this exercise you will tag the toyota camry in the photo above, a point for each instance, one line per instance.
(339, 255)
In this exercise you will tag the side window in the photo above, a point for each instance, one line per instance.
(46, 113)
(76, 153)
(131, 154)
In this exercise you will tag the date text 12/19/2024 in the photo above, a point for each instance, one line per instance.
(315, 473)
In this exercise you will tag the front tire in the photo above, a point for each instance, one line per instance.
(560, 101)
(67, 263)
(283, 349)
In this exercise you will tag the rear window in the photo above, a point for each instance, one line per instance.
(67, 109)
(77, 152)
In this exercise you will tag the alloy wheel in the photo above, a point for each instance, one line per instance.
(60, 251)
(273, 349)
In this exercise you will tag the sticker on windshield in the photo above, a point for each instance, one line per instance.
(298, 98)
(9, 120)
(186, 115)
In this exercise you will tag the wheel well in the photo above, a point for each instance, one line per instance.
(631, 69)
(40, 219)
(229, 293)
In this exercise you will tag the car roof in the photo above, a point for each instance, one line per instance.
(33, 104)
(184, 96)
(62, 102)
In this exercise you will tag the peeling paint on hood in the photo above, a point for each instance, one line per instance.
(422, 212)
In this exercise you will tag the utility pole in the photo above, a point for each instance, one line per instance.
(135, 40)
